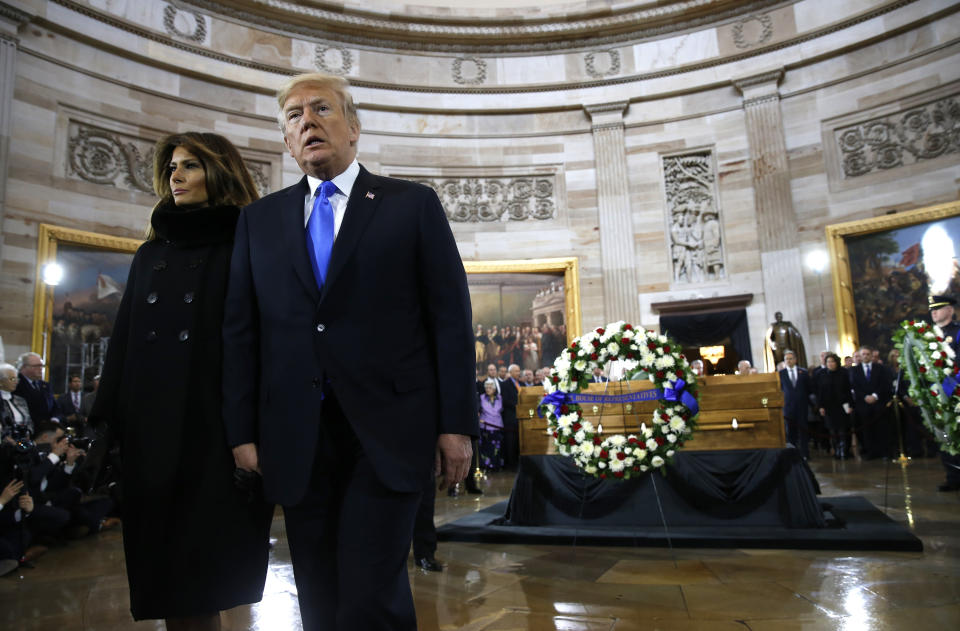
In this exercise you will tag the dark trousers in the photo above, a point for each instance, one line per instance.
(511, 447)
(424, 530)
(797, 435)
(349, 539)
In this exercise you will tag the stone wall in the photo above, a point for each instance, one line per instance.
(539, 150)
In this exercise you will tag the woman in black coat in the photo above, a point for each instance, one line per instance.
(835, 403)
(195, 544)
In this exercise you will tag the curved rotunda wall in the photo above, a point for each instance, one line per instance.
(741, 115)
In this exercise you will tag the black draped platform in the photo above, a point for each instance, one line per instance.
(746, 498)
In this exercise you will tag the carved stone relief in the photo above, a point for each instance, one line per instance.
(602, 63)
(900, 139)
(333, 59)
(476, 199)
(469, 70)
(696, 242)
(104, 157)
(752, 30)
(125, 162)
(175, 26)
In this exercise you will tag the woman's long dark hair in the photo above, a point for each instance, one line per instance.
(227, 178)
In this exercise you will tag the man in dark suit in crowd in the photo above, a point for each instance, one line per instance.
(598, 375)
(372, 408)
(942, 314)
(872, 388)
(89, 398)
(34, 390)
(510, 394)
(70, 402)
(796, 387)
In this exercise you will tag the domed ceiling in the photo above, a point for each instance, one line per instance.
(479, 25)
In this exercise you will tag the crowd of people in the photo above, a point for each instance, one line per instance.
(860, 405)
(47, 495)
(529, 347)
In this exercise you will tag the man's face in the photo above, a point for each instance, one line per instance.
(502, 373)
(76, 385)
(32, 368)
(50, 438)
(515, 372)
(492, 371)
(790, 360)
(823, 357)
(317, 133)
(942, 315)
(597, 371)
(856, 357)
(8, 380)
(866, 355)
(876, 356)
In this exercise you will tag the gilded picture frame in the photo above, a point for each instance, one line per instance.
(547, 278)
(85, 255)
(838, 237)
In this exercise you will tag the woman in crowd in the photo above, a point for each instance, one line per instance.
(835, 403)
(491, 427)
(196, 542)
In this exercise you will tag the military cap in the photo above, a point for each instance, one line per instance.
(941, 301)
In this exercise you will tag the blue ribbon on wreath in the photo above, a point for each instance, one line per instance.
(949, 385)
(675, 392)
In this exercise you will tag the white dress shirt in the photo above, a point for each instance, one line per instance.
(338, 201)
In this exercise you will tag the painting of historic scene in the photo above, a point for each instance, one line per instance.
(894, 272)
(85, 304)
(518, 319)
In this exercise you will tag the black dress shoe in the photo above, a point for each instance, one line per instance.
(948, 486)
(429, 564)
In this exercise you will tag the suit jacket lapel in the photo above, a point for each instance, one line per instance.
(361, 207)
(295, 238)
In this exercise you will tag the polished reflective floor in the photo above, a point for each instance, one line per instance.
(515, 587)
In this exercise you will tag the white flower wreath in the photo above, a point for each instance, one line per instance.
(644, 355)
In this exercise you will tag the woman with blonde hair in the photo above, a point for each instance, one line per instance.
(196, 541)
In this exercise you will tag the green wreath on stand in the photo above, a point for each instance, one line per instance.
(644, 355)
(928, 361)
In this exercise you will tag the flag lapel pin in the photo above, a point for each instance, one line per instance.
(370, 195)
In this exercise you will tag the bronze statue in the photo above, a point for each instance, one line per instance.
(782, 336)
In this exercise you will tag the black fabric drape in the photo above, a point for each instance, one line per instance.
(759, 487)
(708, 329)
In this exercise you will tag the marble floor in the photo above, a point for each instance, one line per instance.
(486, 587)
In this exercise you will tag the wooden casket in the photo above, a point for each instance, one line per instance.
(754, 401)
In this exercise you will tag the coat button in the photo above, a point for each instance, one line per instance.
(152, 297)
(152, 336)
(184, 335)
(160, 266)
(188, 297)
(321, 328)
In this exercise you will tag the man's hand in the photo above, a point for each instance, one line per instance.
(245, 456)
(73, 453)
(26, 503)
(10, 491)
(453, 458)
(870, 399)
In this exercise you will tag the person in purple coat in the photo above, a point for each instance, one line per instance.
(491, 427)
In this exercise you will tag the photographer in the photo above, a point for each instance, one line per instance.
(51, 482)
(14, 539)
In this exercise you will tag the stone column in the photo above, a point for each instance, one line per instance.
(782, 267)
(10, 20)
(617, 257)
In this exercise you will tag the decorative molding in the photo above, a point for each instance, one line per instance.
(13, 14)
(760, 100)
(199, 34)
(900, 139)
(590, 60)
(364, 42)
(322, 63)
(603, 108)
(693, 217)
(475, 199)
(109, 158)
(775, 76)
(740, 39)
(479, 71)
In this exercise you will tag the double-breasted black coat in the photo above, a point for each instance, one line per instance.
(193, 544)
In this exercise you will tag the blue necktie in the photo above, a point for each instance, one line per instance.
(320, 231)
(868, 372)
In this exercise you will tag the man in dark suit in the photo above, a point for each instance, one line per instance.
(796, 387)
(33, 389)
(872, 388)
(598, 375)
(348, 362)
(510, 394)
(69, 404)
